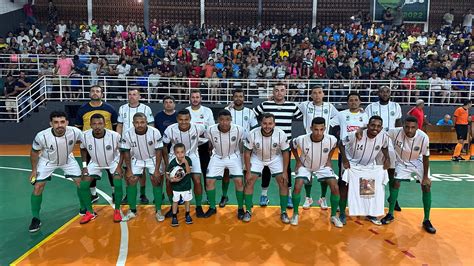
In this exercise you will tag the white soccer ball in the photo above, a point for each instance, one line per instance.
(177, 173)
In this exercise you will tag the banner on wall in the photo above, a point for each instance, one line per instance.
(413, 10)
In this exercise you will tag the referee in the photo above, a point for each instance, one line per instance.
(84, 114)
(284, 113)
(461, 123)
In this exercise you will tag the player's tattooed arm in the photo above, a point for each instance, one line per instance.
(294, 151)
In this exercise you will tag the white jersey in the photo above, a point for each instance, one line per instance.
(142, 147)
(409, 151)
(226, 144)
(389, 113)
(310, 111)
(56, 150)
(314, 155)
(266, 149)
(202, 116)
(103, 151)
(364, 151)
(245, 118)
(366, 194)
(126, 113)
(189, 138)
(349, 121)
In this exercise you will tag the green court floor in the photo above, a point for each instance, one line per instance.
(453, 187)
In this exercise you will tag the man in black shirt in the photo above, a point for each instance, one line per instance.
(10, 92)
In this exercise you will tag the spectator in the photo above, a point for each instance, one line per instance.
(419, 113)
(64, 67)
(29, 13)
(446, 121)
(467, 21)
(10, 92)
(398, 17)
(448, 19)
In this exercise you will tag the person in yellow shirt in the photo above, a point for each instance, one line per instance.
(283, 52)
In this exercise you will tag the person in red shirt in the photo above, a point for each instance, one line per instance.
(210, 43)
(419, 113)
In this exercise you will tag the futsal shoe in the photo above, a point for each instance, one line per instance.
(247, 216)
(199, 212)
(240, 214)
(374, 220)
(307, 203)
(87, 218)
(210, 212)
(336, 221)
(264, 201)
(159, 217)
(174, 221)
(429, 227)
(35, 225)
(117, 216)
(323, 203)
(342, 218)
(387, 219)
(294, 219)
(94, 198)
(144, 199)
(284, 218)
(129, 216)
(223, 202)
(188, 219)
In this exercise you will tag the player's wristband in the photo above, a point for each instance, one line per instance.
(84, 164)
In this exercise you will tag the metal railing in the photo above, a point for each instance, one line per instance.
(219, 91)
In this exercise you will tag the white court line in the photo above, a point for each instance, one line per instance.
(123, 250)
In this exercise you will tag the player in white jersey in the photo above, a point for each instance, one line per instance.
(226, 139)
(361, 150)
(142, 148)
(316, 149)
(311, 109)
(413, 160)
(266, 145)
(349, 120)
(51, 150)
(125, 122)
(244, 117)
(102, 145)
(201, 115)
(391, 114)
(188, 134)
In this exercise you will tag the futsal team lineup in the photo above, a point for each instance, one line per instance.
(354, 153)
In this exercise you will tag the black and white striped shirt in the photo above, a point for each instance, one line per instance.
(284, 114)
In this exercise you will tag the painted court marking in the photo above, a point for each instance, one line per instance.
(123, 250)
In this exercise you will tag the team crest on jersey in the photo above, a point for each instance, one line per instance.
(246, 118)
(325, 150)
(193, 137)
(71, 142)
(150, 142)
(275, 145)
(326, 111)
(416, 148)
(310, 110)
(377, 147)
(347, 118)
(392, 113)
(201, 116)
(257, 145)
(360, 119)
(108, 147)
(233, 138)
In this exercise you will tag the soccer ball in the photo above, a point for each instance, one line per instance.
(177, 173)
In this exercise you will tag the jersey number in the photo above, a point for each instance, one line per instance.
(360, 147)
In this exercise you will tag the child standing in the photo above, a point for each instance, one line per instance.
(181, 184)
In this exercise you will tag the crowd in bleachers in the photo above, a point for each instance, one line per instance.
(362, 50)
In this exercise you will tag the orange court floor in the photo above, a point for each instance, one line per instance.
(222, 239)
